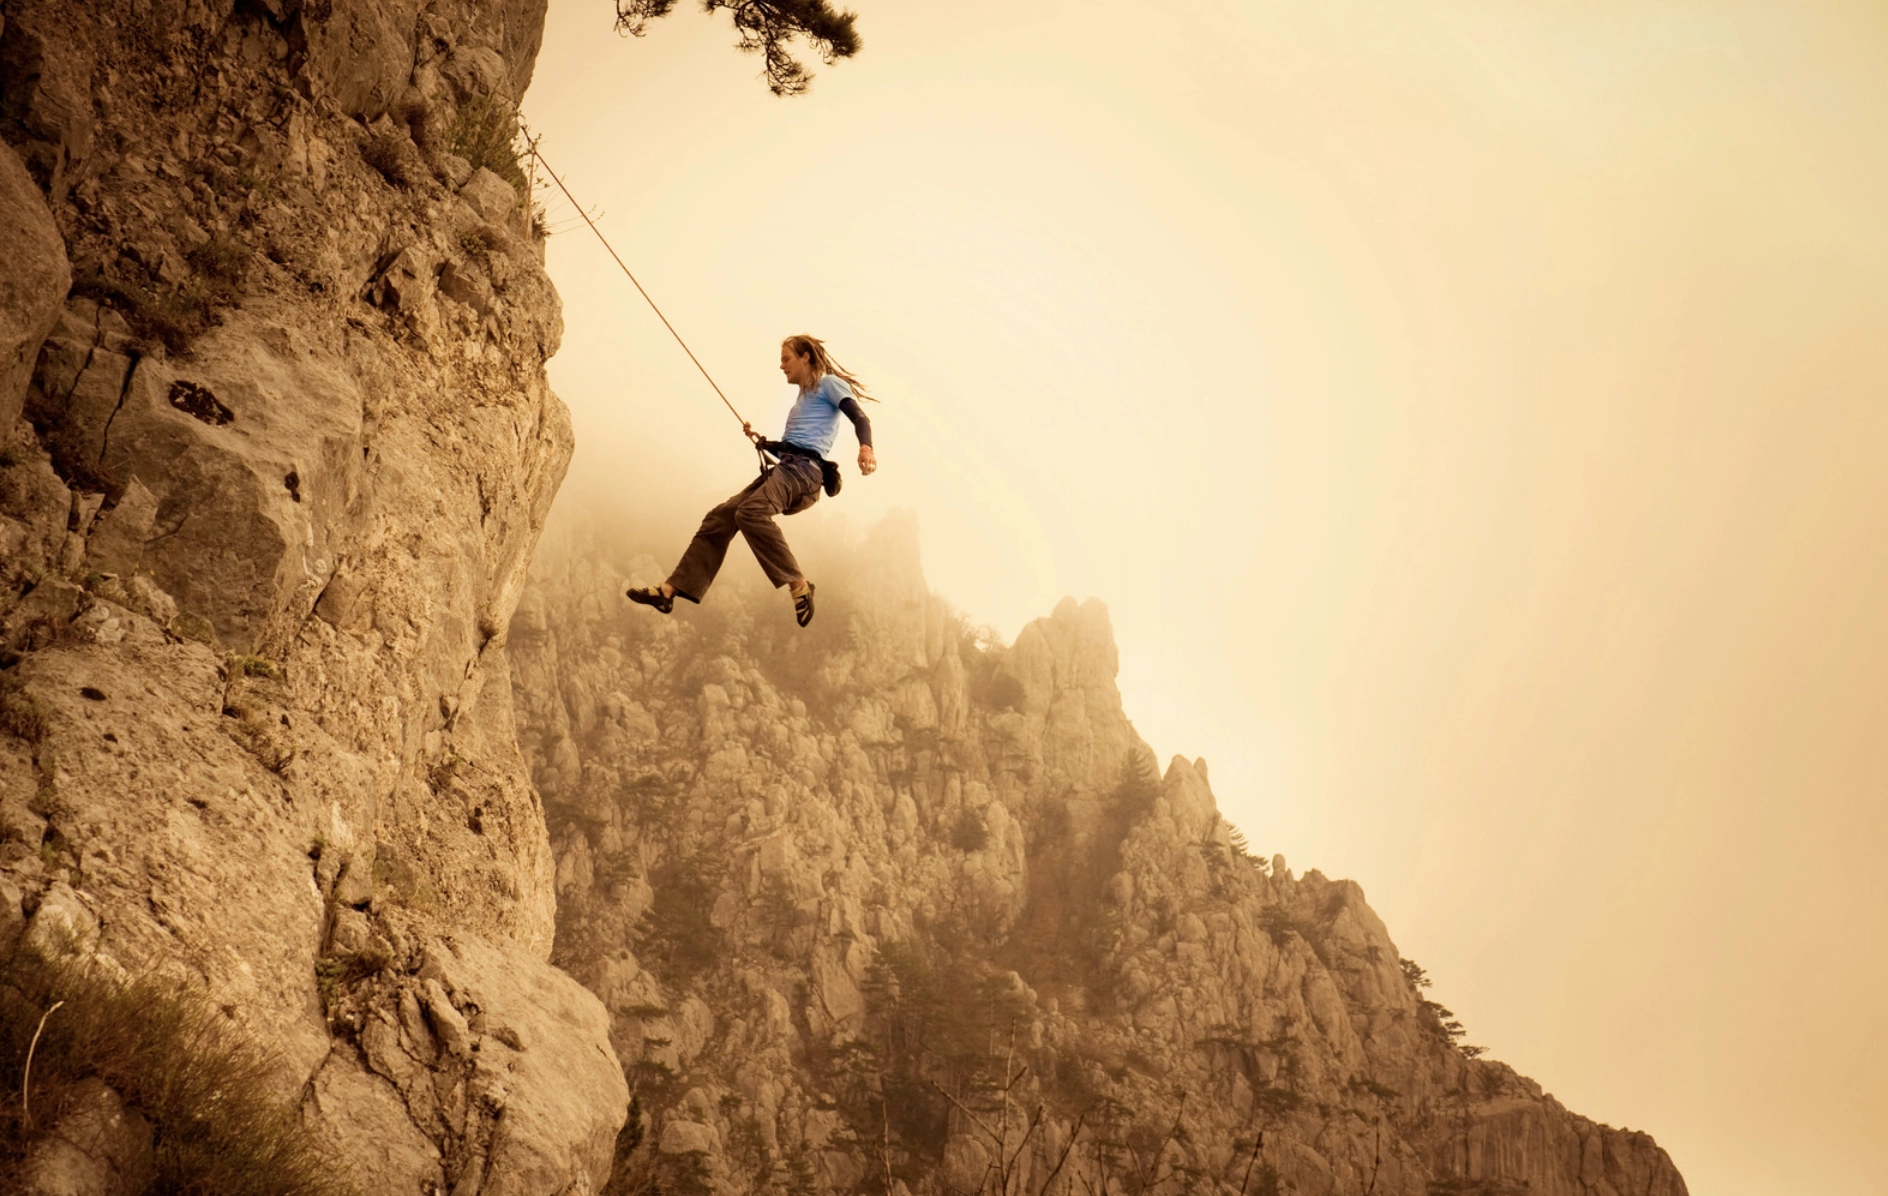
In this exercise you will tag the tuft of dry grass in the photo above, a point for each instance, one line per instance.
(21, 715)
(386, 153)
(256, 666)
(210, 1094)
(418, 119)
(174, 316)
(335, 973)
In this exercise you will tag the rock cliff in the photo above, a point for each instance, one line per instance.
(887, 905)
(275, 448)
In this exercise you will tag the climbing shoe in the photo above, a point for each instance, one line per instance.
(652, 596)
(803, 605)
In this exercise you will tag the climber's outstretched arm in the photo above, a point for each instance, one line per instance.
(849, 407)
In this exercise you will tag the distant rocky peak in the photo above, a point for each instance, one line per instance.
(886, 904)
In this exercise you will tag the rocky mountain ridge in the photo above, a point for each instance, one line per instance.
(888, 905)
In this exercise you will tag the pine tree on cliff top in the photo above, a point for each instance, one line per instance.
(765, 27)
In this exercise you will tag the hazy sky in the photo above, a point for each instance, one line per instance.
(1475, 416)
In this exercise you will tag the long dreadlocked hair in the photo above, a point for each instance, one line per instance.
(823, 363)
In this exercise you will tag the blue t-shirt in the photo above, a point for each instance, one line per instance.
(814, 421)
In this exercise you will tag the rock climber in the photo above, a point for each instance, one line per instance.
(787, 488)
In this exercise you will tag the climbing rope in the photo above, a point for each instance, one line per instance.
(532, 144)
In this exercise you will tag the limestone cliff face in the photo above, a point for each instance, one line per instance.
(275, 447)
(887, 906)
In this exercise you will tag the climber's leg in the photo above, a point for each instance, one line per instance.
(702, 560)
(786, 488)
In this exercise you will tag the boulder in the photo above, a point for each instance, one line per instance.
(252, 457)
(363, 1115)
(490, 196)
(687, 1137)
(116, 544)
(360, 55)
(34, 504)
(63, 925)
(32, 287)
(564, 1097)
(47, 60)
(448, 1023)
(98, 1148)
(476, 71)
(80, 379)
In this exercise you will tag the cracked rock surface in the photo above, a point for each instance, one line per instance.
(275, 447)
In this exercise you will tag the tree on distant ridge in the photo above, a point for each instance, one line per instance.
(766, 27)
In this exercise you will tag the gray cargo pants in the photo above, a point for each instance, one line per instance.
(788, 488)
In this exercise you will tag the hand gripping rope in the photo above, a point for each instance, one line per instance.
(767, 460)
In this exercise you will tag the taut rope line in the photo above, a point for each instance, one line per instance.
(532, 144)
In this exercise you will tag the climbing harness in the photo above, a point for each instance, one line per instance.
(767, 459)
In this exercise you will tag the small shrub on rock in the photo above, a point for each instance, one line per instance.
(678, 933)
(257, 666)
(970, 833)
(208, 1093)
(387, 153)
(485, 133)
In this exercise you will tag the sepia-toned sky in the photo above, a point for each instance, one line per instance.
(1474, 414)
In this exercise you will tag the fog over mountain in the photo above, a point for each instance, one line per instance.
(890, 903)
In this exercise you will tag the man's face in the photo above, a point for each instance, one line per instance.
(799, 370)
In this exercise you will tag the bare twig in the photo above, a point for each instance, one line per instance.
(1009, 1164)
(886, 1114)
(1258, 1144)
(1002, 1146)
(1004, 1159)
(26, 1080)
(1066, 1148)
(531, 178)
(1376, 1163)
(965, 1110)
(1153, 1164)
